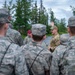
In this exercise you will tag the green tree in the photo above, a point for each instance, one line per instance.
(62, 26)
(34, 13)
(22, 15)
(42, 15)
(52, 18)
(73, 10)
(18, 16)
(39, 15)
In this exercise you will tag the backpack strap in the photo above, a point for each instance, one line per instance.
(5, 54)
(36, 58)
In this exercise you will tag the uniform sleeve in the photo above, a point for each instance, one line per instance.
(25, 41)
(19, 39)
(54, 42)
(57, 42)
(20, 65)
(54, 69)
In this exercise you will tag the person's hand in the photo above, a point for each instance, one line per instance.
(52, 23)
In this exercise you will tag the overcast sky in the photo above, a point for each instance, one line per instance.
(61, 8)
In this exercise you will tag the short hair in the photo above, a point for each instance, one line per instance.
(72, 29)
(1, 25)
(54, 27)
(37, 38)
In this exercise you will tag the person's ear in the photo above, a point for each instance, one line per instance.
(6, 26)
(68, 29)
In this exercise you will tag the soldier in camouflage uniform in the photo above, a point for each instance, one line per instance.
(28, 38)
(13, 35)
(38, 58)
(67, 64)
(55, 41)
(12, 60)
(58, 54)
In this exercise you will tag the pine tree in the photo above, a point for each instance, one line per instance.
(22, 15)
(73, 10)
(43, 15)
(34, 13)
(52, 18)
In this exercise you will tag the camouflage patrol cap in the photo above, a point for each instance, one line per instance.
(3, 21)
(38, 29)
(54, 27)
(64, 38)
(4, 12)
(71, 21)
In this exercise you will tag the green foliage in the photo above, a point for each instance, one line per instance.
(27, 12)
(52, 18)
(73, 10)
(61, 24)
(39, 15)
(34, 13)
(22, 15)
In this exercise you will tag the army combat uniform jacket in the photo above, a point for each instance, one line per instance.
(57, 57)
(67, 65)
(27, 39)
(37, 57)
(12, 60)
(55, 41)
(14, 36)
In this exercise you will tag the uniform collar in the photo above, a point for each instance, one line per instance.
(36, 43)
(55, 34)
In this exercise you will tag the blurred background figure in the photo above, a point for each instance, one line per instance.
(28, 38)
(68, 61)
(55, 41)
(58, 54)
(38, 57)
(64, 62)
